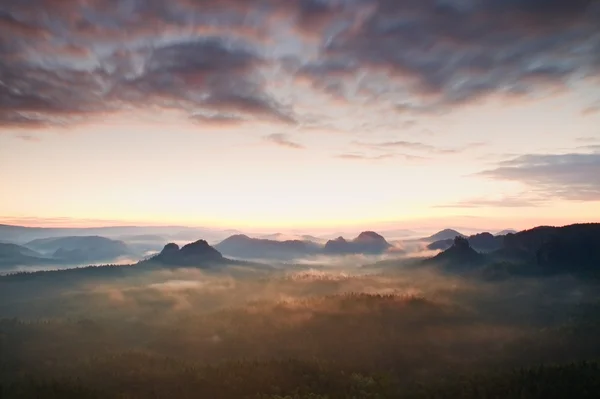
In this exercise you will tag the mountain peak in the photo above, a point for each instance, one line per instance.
(170, 248)
(202, 244)
(461, 243)
(367, 242)
(460, 256)
(193, 254)
(369, 235)
(446, 234)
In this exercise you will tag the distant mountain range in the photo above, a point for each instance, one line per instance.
(21, 235)
(242, 246)
(63, 250)
(537, 252)
(99, 249)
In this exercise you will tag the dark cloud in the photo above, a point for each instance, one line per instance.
(564, 176)
(64, 61)
(283, 140)
(202, 75)
(447, 53)
(140, 54)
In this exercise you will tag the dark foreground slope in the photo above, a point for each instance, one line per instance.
(140, 343)
(163, 378)
(542, 251)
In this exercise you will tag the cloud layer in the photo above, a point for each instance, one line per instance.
(224, 61)
(556, 176)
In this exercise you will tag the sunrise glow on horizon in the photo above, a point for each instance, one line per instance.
(300, 115)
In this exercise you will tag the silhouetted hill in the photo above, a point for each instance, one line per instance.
(447, 234)
(367, 242)
(337, 246)
(573, 248)
(482, 242)
(441, 245)
(242, 246)
(196, 254)
(80, 249)
(459, 257)
(16, 255)
(544, 250)
(505, 232)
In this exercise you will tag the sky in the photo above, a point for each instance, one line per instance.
(300, 114)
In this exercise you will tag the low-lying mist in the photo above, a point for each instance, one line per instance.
(413, 323)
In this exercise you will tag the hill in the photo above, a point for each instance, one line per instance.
(574, 248)
(196, 254)
(544, 250)
(367, 242)
(505, 232)
(21, 234)
(459, 257)
(15, 255)
(80, 249)
(446, 234)
(242, 246)
(482, 242)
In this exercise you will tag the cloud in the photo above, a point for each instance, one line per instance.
(588, 139)
(363, 157)
(150, 68)
(418, 146)
(380, 157)
(456, 52)
(592, 109)
(29, 138)
(562, 176)
(523, 201)
(282, 140)
(65, 62)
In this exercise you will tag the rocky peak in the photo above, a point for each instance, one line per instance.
(369, 236)
(170, 248)
(461, 243)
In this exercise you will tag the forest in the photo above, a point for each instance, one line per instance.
(300, 332)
